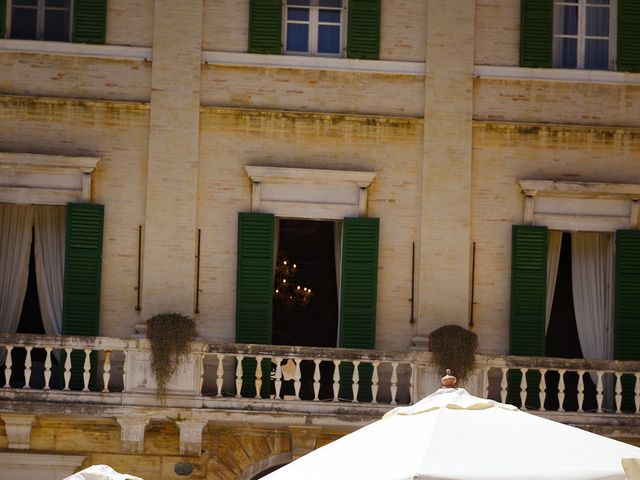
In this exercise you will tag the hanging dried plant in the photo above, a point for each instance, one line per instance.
(170, 335)
(454, 347)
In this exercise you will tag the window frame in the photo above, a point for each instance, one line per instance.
(314, 22)
(41, 9)
(581, 35)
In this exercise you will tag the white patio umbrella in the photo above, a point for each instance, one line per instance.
(452, 435)
(101, 472)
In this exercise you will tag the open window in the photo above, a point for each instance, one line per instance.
(575, 286)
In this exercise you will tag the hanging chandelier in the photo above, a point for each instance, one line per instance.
(287, 292)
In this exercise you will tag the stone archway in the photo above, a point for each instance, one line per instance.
(266, 465)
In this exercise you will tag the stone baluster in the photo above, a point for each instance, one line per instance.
(316, 380)
(201, 365)
(412, 382)
(336, 379)
(543, 388)
(258, 376)
(86, 375)
(618, 392)
(356, 381)
(561, 390)
(27, 368)
(220, 374)
(503, 385)
(485, 382)
(636, 391)
(599, 390)
(106, 374)
(47, 368)
(394, 382)
(374, 382)
(67, 368)
(297, 377)
(523, 388)
(7, 367)
(580, 390)
(124, 371)
(278, 380)
(239, 359)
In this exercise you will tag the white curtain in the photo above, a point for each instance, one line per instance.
(50, 223)
(553, 260)
(15, 246)
(337, 251)
(592, 267)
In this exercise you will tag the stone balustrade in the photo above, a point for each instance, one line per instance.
(117, 371)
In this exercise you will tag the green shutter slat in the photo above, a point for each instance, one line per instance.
(265, 26)
(536, 33)
(254, 295)
(254, 292)
(627, 296)
(363, 29)
(82, 272)
(358, 297)
(89, 21)
(528, 305)
(3, 17)
(528, 290)
(628, 48)
(626, 327)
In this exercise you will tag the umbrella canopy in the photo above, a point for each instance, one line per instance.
(452, 435)
(101, 472)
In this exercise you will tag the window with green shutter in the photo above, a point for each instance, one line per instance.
(359, 286)
(80, 21)
(315, 27)
(528, 303)
(254, 290)
(627, 307)
(82, 276)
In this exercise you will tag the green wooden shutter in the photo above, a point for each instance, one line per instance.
(254, 291)
(3, 17)
(265, 26)
(82, 272)
(627, 307)
(628, 36)
(363, 29)
(528, 304)
(89, 21)
(536, 33)
(358, 297)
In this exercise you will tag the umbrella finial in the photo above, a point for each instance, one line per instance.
(449, 381)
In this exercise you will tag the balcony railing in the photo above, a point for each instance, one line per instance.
(118, 371)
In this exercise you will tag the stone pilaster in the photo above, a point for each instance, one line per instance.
(444, 258)
(172, 166)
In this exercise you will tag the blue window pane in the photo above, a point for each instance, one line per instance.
(56, 25)
(328, 39)
(565, 20)
(565, 53)
(596, 54)
(23, 23)
(298, 2)
(598, 22)
(297, 37)
(298, 14)
(330, 3)
(332, 16)
(57, 3)
(598, 2)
